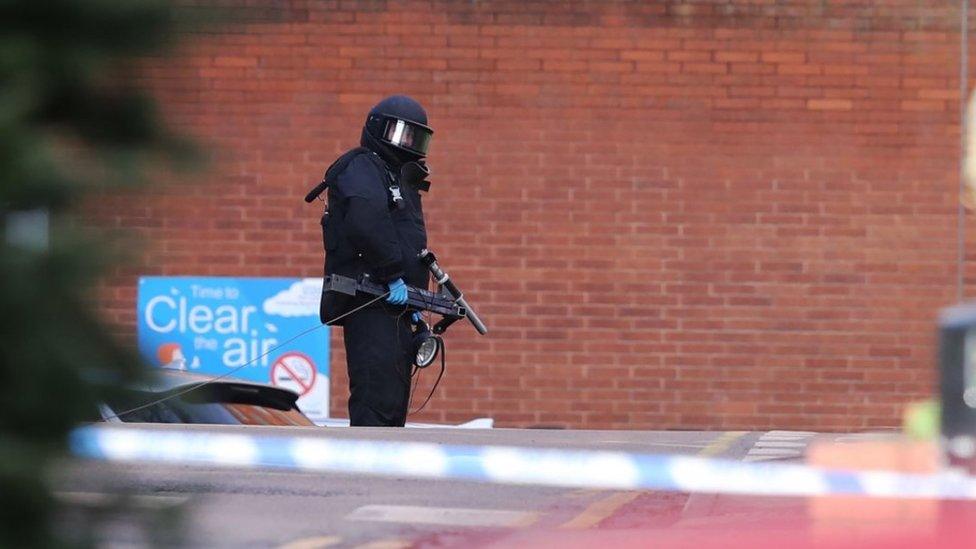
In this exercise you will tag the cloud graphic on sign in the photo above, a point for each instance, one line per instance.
(300, 299)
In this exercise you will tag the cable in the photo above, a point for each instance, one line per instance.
(415, 373)
(221, 376)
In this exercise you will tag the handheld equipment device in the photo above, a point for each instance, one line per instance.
(448, 302)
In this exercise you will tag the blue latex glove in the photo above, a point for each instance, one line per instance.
(398, 292)
(416, 317)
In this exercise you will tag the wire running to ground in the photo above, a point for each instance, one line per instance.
(252, 361)
(443, 352)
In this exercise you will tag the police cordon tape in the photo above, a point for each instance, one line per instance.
(510, 465)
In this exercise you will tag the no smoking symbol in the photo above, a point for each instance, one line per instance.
(293, 371)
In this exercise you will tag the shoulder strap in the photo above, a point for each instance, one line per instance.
(333, 172)
(392, 184)
(341, 163)
(382, 166)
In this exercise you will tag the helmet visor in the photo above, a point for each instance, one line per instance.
(407, 135)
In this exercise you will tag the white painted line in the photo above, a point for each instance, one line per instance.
(779, 444)
(861, 437)
(445, 516)
(785, 439)
(760, 458)
(773, 452)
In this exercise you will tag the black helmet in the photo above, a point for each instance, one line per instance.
(397, 125)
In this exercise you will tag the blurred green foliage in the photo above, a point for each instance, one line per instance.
(71, 121)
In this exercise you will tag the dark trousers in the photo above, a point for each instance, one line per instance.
(379, 357)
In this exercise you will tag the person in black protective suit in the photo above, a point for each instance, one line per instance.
(375, 226)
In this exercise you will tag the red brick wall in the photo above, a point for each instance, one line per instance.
(670, 214)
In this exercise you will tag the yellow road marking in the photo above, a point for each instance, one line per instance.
(97, 499)
(722, 443)
(716, 447)
(605, 507)
(600, 510)
(311, 543)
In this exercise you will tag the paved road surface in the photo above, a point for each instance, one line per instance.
(274, 508)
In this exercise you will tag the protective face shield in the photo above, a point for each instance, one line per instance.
(406, 135)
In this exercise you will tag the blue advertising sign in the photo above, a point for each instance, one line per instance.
(212, 325)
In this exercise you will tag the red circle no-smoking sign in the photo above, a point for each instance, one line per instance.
(294, 371)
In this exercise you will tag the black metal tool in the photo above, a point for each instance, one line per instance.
(428, 258)
(418, 299)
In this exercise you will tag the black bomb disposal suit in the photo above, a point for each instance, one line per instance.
(375, 226)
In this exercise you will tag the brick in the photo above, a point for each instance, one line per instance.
(227, 61)
(799, 69)
(737, 103)
(736, 56)
(608, 66)
(923, 105)
(704, 68)
(782, 104)
(830, 104)
(642, 55)
(652, 67)
(783, 57)
(564, 66)
(946, 94)
(518, 65)
(689, 56)
(751, 68)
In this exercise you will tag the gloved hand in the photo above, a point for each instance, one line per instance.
(398, 292)
(416, 317)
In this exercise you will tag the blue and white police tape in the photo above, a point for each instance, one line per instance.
(548, 467)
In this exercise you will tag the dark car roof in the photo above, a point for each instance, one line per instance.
(175, 381)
